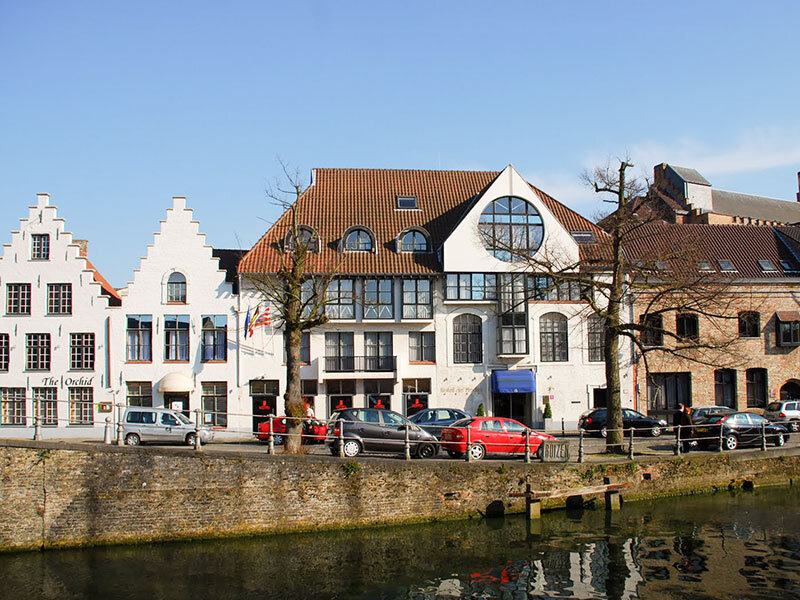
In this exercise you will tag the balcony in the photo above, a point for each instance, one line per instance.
(360, 364)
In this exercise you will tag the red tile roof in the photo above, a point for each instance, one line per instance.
(108, 289)
(342, 198)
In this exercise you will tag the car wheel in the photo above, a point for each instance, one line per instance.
(132, 440)
(655, 431)
(426, 451)
(455, 454)
(277, 439)
(794, 426)
(780, 440)
(603, 432)
(731, 442)
(351, 448)
(190, 438)
(476, 451)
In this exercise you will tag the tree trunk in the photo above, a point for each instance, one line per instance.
(292, 398)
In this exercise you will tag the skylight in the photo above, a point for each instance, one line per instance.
(787, 267)
(725, 265)
(582, 237)
(766, 266)
(704, 265)
(661, 265)
(407, 202)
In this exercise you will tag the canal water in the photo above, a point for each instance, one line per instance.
(725, 545)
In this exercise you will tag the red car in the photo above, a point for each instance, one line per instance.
(313, 431)
(490, 435)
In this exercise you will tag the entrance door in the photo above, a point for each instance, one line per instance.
(177, 401)
(599, 398)
(512, 406)
(790, 391)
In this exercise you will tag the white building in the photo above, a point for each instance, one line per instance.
(56, 342)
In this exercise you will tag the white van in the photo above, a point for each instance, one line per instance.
(143, 424)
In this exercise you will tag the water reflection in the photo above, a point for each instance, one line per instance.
(745, 545)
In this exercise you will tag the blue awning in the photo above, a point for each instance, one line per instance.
(520, 381)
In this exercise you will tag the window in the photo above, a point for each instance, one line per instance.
(81, 351)
(767, 266)
(81, 406)
(139, 337)
(705, 266)
(12, 406)
(18, 298)
(340, 299)
(756, 388)
(467, 339)
(417, 301)
(511, 227)
(416, 394)
(176, 289)
(749, 324)
(215, 338)
(45, 404)
(358, 240)
(471, 286)
(264, 393)
(40, 246)
(59, 298)
(553, 338)
(379, 393)
(422, 346)
(788, 333)
(215, 403)
(583, 237)
(5, 351)
(513, 333)
(413, 241)
(597, 335)
(725, 265)
(339, 351)
(653, 334)
(544, 288)
(725, 387)
(305, 237)
(340, 394)
(378, 351)
(378, 299)
(176, 337)
(140, 393)
(38, 351)
(406, 202)
(666, 390)
(687, 327)
(787, 267)
(305, 347)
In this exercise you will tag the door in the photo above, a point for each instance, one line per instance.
(516, 436)
(493, 436)
(511, 406)
(394, 432)
(369, 428)
(599, 398)
(177, 401)
(170, 429)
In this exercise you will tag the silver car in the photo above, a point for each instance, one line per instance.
(785, 412)
(143, 424)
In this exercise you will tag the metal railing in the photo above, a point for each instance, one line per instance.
(352, 364)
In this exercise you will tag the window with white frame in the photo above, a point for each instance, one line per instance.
(358, 240)
(413, 241)
(378, 351)
(45, 402)
(471, 286)
(37, 351)
(5, 351)
(512, 333)
(378, 299)
(81, 406)
(467, 339)
(40, 246)
(553, 338)
(417, 299)
(59, 298)
(340, 299)
(597, 334)
(139, 338)
(18, 298)
(215, 403)
(140, 393)
(422, 346)
(81, 351)
(176, 338)
(12, 406)
(176, 289)
(215, 338)
(511, 228)
(416, 395)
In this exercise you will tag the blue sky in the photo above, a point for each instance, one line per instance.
(115, 107)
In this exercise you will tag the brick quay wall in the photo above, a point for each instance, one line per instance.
(60, 495)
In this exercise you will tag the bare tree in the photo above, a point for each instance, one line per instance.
(296, 289)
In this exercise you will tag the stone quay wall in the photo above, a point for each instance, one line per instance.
(61, 494)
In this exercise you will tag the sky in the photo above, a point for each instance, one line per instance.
(115, 107)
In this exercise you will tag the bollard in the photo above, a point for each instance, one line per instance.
(563, 431)
(630, 446)
(37, 426)
(468, 456)
(407, 443)
(341, 438)
(527, 446)
(120, 441)
(678, 440)
(763, 437)
(270, 437)
(107, 433)
(580, 446)
(720, 438)
(198, 444)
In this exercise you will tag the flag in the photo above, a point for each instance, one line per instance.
(262, 319)
(250, 328)
(246, 323)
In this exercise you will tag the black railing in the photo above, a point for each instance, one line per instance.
(350, 364)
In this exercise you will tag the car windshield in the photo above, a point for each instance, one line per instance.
(774, 406)
(183, 418)
(462, 423)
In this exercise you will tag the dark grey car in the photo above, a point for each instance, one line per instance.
(377, 430)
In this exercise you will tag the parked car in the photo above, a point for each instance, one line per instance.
(738, 429)
(490, 435)
(703, 412)
(143, 424)
(433, 420)
(313, 431)
(595, 421)
(377, 430)
(785, 412)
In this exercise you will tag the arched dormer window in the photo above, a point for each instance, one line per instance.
(306, 236)
(511, 228)
(413, 241)
(358, 239)
(176, 289)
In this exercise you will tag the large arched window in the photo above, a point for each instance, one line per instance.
(511, 228)
(467, 339)
(305, 237)
(413, 241)
(553, 338)
(176, 289)
(358, 240)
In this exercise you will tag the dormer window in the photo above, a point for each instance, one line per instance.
(511, 229)
(305, 236)
(583, 237)
(726, 265)
(358, 240)
(176, 289)
(407, 202)
(767, 266)
(413, 241)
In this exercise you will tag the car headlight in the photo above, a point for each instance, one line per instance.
(662, 422)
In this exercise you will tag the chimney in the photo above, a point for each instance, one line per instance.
(83, 246)
(798, 186)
